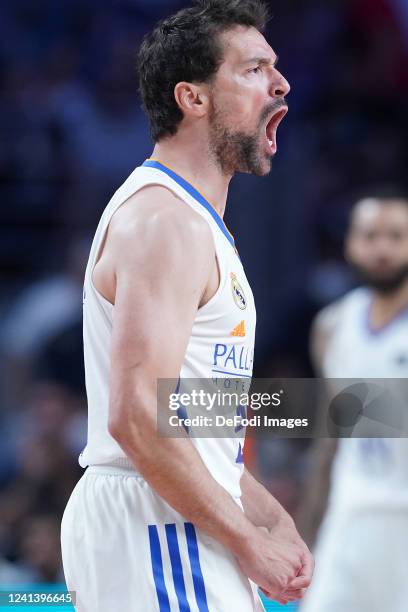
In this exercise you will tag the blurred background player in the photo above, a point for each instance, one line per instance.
(362, 544)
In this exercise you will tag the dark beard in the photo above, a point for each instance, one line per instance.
(239, 151)
(384, 285)
(236, 152)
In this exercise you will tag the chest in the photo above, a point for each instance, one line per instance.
(356, 352)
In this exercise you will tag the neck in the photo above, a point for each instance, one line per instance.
(386, 306)
(190, 159)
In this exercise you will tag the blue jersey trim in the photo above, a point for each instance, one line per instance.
(149, 163)
(376, 331)
(157, 567)
(177, 568)
(198, 579)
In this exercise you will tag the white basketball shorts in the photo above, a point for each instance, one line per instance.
(124, 549)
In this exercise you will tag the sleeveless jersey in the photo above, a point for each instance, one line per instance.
(368, 473)
(221, 344)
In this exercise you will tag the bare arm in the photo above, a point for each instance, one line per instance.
(262, 509)
(321, 454)
(162, 263)
(321, 333)
(316, 488)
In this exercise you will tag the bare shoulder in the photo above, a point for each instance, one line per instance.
(322, 330)
(155, 237)
(156, 217)
(327, 318)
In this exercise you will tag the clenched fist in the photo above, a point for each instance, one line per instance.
(278, 561)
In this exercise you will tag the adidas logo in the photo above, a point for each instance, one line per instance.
(239, 330)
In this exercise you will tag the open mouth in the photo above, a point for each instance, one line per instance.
(272, 127)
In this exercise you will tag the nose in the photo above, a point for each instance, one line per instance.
(280, 86)
(385, 247)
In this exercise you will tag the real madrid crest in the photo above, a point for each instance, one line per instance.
(238, 293)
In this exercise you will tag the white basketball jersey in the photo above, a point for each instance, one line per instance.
(221, 343)
(368, 473)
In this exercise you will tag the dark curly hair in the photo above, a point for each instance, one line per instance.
(185, 47)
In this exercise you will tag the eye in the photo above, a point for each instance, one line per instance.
(255, 70)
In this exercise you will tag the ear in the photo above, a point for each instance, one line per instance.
(193, 100)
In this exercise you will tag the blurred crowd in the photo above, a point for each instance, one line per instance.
(72, 130)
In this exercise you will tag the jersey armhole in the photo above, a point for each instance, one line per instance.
(222, 271)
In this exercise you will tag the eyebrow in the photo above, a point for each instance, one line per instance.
(262, 61)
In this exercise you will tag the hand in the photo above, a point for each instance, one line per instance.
(297, 587)
(277, 562)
